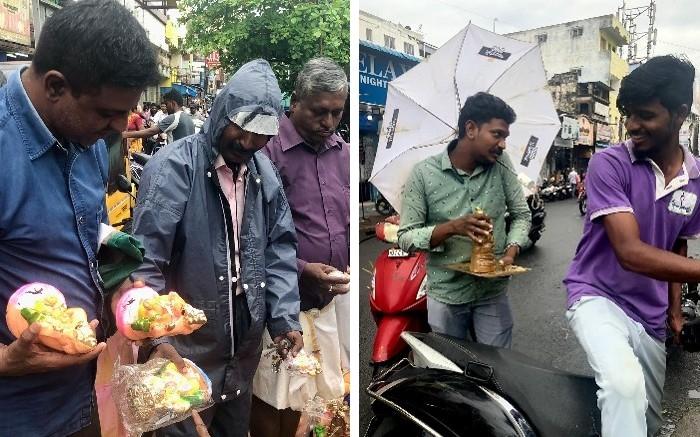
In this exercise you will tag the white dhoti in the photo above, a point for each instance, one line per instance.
(282, 390)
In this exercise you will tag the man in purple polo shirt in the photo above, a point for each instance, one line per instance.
(314, 165)
(624, 282)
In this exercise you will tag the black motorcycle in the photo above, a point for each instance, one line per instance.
(536, 205)
(538, 214)
(451, 387)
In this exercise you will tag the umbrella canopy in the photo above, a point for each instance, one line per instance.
(423, 105)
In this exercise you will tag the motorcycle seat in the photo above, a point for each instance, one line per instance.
(140, 158)
(556, 402)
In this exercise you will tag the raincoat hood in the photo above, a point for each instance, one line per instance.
(253, 88)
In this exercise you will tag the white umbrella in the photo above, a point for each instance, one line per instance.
(423, 106)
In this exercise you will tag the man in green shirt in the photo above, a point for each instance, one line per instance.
(438, 215)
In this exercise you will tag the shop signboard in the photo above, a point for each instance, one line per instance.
(569, 128)
(213, 61)
(585, 129)
(15, 20)
(603, 135)
(378, 66)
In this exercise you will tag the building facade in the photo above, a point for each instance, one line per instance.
(584, 72)
(21, 22)
(387, 50)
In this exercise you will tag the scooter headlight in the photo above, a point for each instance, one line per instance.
(423, 289)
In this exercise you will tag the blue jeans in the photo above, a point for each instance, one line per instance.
(488, 321)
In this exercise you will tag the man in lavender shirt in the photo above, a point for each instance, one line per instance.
(314, 165)
(624, 282)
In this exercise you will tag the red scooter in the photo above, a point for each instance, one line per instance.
(398, 299)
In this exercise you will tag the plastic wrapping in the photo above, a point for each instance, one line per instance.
(303, 364)
(328, 418)
(142, 313)
(63, 329)
(155, 394)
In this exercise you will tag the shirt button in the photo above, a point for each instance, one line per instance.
(221, 278)
(223, 397)
(81, 220)
(257, 180)
(238, 392)
(234, 279)
(323, 182)
(209, 175)
(262, 285)
(245, 286)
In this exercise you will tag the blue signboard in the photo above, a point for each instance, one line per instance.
(378, 66)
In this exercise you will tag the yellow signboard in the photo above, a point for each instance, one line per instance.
(15, 18)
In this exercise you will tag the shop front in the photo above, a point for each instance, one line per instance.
(378, 66)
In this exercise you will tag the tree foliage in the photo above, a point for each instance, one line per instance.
(285, 32)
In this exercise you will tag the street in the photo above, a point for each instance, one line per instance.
(538, 301)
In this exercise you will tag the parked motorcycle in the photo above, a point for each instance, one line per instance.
(136, 162)
(552, 192)
(536, 205)
(451, 387)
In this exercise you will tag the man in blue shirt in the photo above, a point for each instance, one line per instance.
(92, 62)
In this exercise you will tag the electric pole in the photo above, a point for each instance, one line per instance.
(630, 17)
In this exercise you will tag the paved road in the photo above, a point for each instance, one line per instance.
(538, 301)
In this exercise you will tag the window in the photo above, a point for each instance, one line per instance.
(576, 70)
(576, 32)
(389, 42)
(368, 34)
(542, 38)
(408, 48)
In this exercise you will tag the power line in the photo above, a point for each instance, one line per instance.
(695, 49)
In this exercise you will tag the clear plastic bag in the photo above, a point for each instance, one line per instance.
(155, 394)
(303, 364)
(328, 418)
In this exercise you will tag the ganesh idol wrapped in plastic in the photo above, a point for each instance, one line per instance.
(63, 329)
(156, 394)
(142, 313)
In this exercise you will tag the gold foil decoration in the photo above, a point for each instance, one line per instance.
(483, 258)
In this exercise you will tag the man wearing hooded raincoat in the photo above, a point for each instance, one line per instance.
(217, 228)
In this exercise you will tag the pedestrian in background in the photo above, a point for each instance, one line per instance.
(314, 165)
(176, 125)
(439, 204)
(573, 180)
